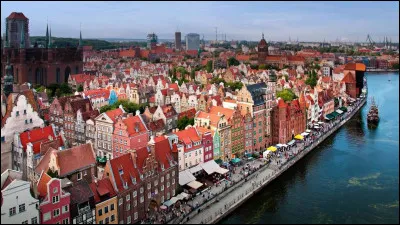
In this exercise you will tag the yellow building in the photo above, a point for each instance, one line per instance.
(105, 198)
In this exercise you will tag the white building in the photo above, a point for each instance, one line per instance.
(18, 205)
(22, 115)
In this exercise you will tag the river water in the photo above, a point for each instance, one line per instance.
(352, 177)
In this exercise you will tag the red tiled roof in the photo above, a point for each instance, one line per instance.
(174, 86)
(243, 57)
(326, 79)
(132, 123)
(42, 184)
(168, 110)
(355, 66)
(113, 114)
(348, 78)
(191, 113)
(16, 15)
(156, 125)
(188, 136)
(36, 136)
(192, 52)
(73, 159)
(101, 188)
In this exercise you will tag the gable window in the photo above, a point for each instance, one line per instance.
(65, 209)
(56, 212)
(56, 199)
(12, 211)
(80, 176)
(17, 113)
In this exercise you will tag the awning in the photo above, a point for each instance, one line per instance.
(299, 137)
(195, 184)
(272, 148)
(266, 153)
(290, 143)
(195, 169)
(210, 167)
(335, 114)
(329, 116)
(185, 177)
(222, 171)
(235, 160)
(339, 111)
(304, 134)
(344, 109)
(219, 161)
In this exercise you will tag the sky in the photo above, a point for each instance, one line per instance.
(307, 21)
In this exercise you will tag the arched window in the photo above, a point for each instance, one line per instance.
(67, 73)
(58, 74)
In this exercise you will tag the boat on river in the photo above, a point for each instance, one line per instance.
(373, 114)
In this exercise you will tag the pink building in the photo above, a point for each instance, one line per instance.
(207, 141)
(54, 202)
(129, 133)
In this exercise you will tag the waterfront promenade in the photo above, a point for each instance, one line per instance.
(224, 203)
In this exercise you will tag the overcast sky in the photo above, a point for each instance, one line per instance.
(307, 21)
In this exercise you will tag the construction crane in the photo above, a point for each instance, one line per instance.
(370, 41)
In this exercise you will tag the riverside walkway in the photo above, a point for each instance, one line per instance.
(225, 202)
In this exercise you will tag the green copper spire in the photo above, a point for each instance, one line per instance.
(49, 44)
(22, 42)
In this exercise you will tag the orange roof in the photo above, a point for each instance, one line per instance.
(281, 103)
(42, 184)
(348, 78)
(132, 123)
(227, 112)
(355, 66)
(188, 136)
(243, 57)
(113, 114)
(274, 58)
(214, 118)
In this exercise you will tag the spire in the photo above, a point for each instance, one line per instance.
(22, 42)
(80, 36)
(262, 35)
(47, 33)
(49, 44)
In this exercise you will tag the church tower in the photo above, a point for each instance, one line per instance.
(262, 50)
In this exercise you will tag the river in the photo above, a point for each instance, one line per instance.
(352, 177)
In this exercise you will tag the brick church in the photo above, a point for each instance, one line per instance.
(37, 65)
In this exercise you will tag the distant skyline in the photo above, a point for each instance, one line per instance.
(307, 21)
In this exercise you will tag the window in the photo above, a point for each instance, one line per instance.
(107, 220)
(173, 181)
(128, 219)
(17, 113)
(112, 218)
(25, 222)
(46, 216)
(3, 138)
(55, 190)
(26, 121)
(65, 208)
(22, 208)
(128, 197)
(134, 194)
(148, 186)
(66, 221)
(155, 182)
(128, 207)
(80, 176)
(56, 199)
(136, 215)
(106, 209)
(56, 212)
(120, 201)
(34, 220)
(141, 199)
(12, 211)
(84, 173)
(156, 191)
(162, 187)
(100, 212)
(30, 120)
(112, 207)
(135, 203)
(141, 190)
(162, 179)
(149, 195)
(168, 184)
(100, 221)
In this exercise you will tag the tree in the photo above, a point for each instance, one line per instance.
(262, 67)
(286, 95)
(65, 88)
(312, 79)
(183, 122)
(235, 85)
(286, 78)
(209, 66)
(395, 66)
(192, 75)
(80, 88)
(233, 62)
(254, 67)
